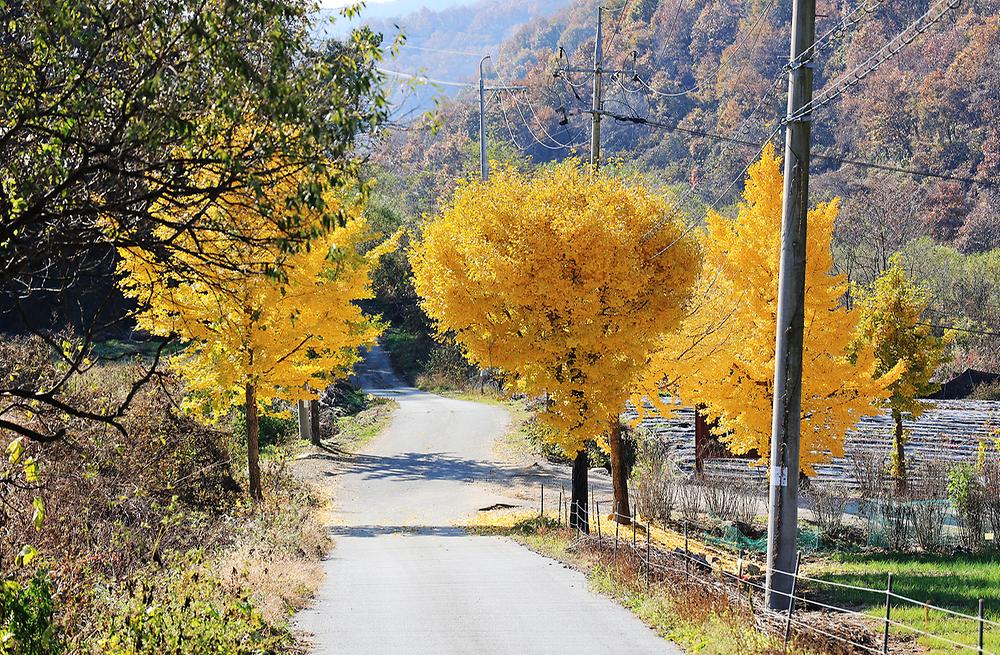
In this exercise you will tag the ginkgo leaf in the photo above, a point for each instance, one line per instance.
(26, 556)
(554, 278)
(15, 449)
(38, 516)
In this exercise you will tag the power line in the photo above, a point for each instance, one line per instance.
(670, 32)
(423, 78)
(834, 158)
(981, 333)
(622, 11)
(538, 121)
(407, 46)
(879, 57)
(829, 37)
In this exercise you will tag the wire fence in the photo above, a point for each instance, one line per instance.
(626, 539)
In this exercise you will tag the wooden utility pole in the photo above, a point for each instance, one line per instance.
(597, 101)
(596, 105)
(482, 121)
(483, 164)
(785, 422)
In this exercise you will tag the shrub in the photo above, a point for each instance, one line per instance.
(655, 486)
(689, 500)
(828, 502)
(869, 468)
(991, 487)
(275, 428)
(986, 391)
(929, 486)
(895, 517)
(966, 494)
(26, 617)
(186, 614)
(446, 368)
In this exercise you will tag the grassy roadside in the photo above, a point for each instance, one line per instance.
(354, 431)
(695, 619)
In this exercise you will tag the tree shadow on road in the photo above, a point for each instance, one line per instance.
(427, 466)
(380, 530)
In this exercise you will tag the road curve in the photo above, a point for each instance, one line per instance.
(403, 579)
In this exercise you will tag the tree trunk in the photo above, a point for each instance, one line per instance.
(253, 444)
(578, 501)
(303, 413)
(314, 421)
(899, 457)
(619, 477)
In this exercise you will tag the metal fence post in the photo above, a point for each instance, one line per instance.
(739, 574)
(687, 555)
(590, 497)
(541, 512)
(888, 610)
(633, 527)
(598, 515)
(649, 561)
(560, 508)
(791, 600)
(981, 622)
(616, 538)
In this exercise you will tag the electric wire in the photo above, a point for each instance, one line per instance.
(559, 144)
(876, 59)
(830, 37)
(833, 158)
(423, 78)
(622, 11)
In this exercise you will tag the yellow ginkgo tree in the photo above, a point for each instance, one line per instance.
(722, 356)
(892, 311)
(564, 279)
(261, 321)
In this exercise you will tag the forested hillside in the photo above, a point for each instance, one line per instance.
(709, 72)
(448, 43)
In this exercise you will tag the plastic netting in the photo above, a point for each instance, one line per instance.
(896, 525)
(733, 538)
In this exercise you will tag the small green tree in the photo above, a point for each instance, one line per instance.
(891, 323)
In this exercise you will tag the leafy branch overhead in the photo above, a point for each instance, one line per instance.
(127, 123)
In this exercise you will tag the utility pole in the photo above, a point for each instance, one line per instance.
(596, 106)
(482, 121)
(483, 164)
(597, 101)
(783, 496)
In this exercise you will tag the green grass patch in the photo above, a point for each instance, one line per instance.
(356, 430)
(954, 582)
(487, 397)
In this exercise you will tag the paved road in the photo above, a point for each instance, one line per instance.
(403, 579)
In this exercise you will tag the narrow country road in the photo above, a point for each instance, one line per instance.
(403, 579)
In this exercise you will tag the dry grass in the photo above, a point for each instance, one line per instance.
(277, 554)
(697, 618)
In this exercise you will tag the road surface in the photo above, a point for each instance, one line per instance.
(403, 579)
